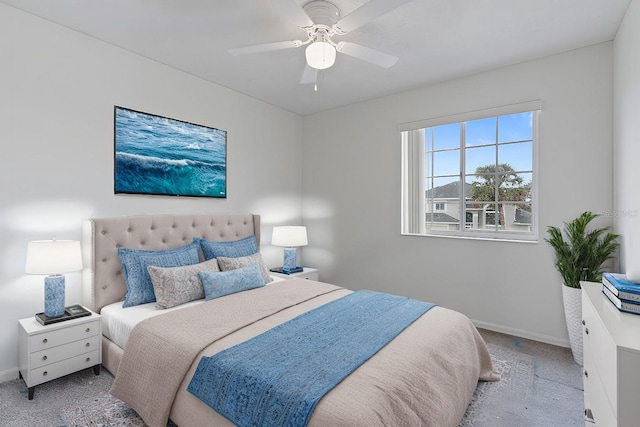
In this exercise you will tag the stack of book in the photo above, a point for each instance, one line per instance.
(622, 292)
(285, 270)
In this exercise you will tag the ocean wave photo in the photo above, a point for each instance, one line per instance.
(162, 156)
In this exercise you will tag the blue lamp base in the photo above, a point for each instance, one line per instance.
(54, 296)
(290, 259)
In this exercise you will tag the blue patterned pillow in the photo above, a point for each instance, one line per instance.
(136, 275)
(218, 284)
(234, 249)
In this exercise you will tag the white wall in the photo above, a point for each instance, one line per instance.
(58, 89)
(626, 171)
(351, 199)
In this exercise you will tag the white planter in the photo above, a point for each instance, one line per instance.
(572, 298)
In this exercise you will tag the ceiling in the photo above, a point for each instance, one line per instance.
(435, 40)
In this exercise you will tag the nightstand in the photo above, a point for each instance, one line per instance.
(47, 352)
(306, 273)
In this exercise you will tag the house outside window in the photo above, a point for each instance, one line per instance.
(472, 175)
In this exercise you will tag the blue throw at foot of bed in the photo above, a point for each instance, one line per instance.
(278, 377)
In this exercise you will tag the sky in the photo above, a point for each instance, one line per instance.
(514, 134)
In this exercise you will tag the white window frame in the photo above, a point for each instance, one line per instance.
(412, 180)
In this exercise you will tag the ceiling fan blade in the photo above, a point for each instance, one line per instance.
(367, 54)
(308, 75)
(265, 47)
(367, 13)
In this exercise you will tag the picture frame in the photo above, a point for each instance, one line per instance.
(157, 155)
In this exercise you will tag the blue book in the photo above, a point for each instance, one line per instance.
(621, 287)
(626, 306)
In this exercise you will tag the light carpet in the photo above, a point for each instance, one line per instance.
(540, 386)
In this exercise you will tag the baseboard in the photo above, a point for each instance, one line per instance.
(522, 333)
(8, 375)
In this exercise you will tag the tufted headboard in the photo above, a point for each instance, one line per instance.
(102, 276)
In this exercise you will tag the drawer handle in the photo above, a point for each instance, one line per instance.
(88, 330)
(588, 413)
(586, 374)
(45, 373)
(44, 357)
(586, 331)
(88, 344)
(88, 359)
(584, 323)
(44, 341)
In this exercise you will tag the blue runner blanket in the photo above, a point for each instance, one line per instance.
(277, 378)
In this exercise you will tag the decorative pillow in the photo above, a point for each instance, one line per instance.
(233, 249)
(177, 285)
(229, 282)
(136, 275)
(227, 264)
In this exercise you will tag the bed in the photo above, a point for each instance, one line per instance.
(425, 376)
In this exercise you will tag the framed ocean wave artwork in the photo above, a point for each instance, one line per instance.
(162, 156)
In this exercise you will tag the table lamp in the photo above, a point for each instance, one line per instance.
(53, 257)
(290, 237)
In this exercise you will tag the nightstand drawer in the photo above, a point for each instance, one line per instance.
(61, 352)
(58, 337)
(308, 275)
(64, 367)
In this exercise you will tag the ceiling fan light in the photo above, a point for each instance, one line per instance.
(320, 55)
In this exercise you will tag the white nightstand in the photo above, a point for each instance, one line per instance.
(306, 273)
(52, 351)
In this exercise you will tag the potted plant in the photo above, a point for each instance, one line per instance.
(578, 258)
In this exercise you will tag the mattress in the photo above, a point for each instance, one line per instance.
(118, 322)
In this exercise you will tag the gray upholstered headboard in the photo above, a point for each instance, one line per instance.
(102, 276)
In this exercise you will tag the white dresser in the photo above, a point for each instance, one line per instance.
(611, 370)
(52, 351)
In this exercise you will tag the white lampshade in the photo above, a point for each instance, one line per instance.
(289, 236)
(320, 55)
(53, 256)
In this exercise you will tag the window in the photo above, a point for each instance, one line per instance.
(471, 175)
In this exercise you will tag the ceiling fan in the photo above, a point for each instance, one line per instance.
(325, 22)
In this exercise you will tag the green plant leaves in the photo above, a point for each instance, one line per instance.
(581, 256)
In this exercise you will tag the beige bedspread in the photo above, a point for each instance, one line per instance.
(425, 376)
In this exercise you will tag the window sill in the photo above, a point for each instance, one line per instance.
(532, 239)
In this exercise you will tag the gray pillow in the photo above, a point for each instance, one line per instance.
(227, 264)
(177, 285)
